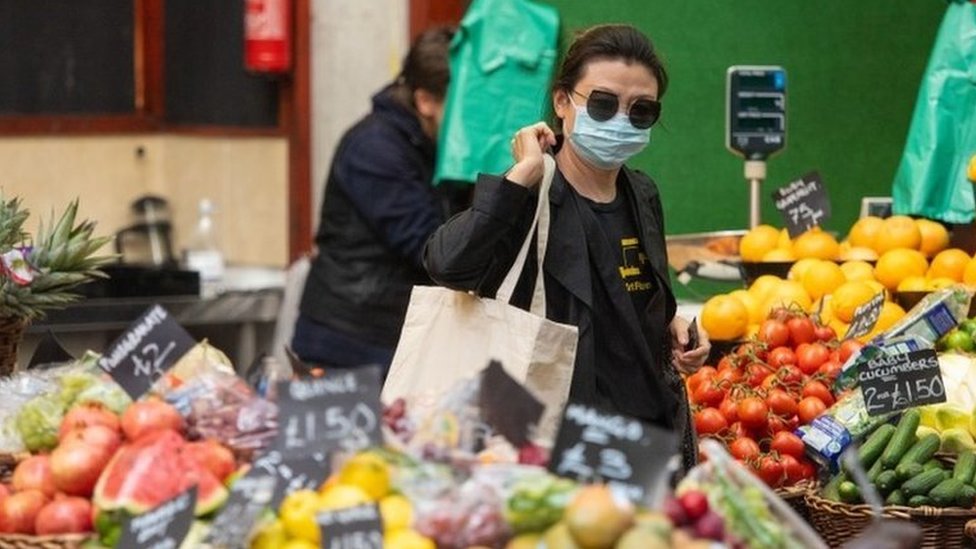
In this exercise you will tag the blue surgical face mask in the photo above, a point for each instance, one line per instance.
(606, 145)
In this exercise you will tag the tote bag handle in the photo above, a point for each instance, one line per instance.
(540, 227)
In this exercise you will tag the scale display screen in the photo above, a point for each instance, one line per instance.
(756, 110)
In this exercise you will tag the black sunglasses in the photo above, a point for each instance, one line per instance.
(602, 106)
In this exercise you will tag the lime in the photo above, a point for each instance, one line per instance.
(958, 340)
(968, 326)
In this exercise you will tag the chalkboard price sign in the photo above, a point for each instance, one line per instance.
(249, 496)
(891, 383)
(145, 351)
(865, 317)
(163, 527)
(339, 411)
(291, 472)
(803, 203)
(625, 453)
(353, 528)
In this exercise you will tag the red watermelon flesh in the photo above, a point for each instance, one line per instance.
(154, 469)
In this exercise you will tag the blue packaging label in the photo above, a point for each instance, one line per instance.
(827, 439)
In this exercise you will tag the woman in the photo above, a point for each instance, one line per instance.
(606, 264)
(378, 211)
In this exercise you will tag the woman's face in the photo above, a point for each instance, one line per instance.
(628, 81)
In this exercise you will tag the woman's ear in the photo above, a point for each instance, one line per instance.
(427, 105)
(561, 103)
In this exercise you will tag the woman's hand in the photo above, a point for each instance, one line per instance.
(688, 362)
(528, 146)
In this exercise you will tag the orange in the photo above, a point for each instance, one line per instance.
(859, 253)
(753, 305)
(784, 240)
(823, 309)
(865, 231)
(816, 243)
(935, 237)
(857, 270)
(778, 255)
(941, 283)
(800, 267)
(896, 265)
(877, 287)
(913, 284)
(848, 297)
(840, 327)
(969, 274)
(759, 240)
(891, 313)
(725, 318)
(789, 294)
(822, 278)
(898, 231)
(763, 286)
(949, 263)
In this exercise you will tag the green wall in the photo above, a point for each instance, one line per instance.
(853, 71)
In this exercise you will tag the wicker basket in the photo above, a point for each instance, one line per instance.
(11, 333)
(838, 522)
(66, 541)
(795, 497)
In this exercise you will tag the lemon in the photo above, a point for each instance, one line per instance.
(368, 472)
(757, 242)
(299, 544)
(297, 514)
(857, 270)
(801, 267)
(406, 539)
(913, 283)
(397, 512)
(822, 278)
(341, 496)
(270, 536)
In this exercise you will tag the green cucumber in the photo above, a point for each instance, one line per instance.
(874, 471)
(871, 450)
(965, 468)
(902, 439)
(967, 497)
(920, 485)
(896, 498)
(946, 493)
(918, 501)
(932, 464)
(906, 471)
(923, 450)
(887, 482)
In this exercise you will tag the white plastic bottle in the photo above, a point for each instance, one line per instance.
(203, 254)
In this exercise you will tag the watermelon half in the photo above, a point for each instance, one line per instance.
(154, 469)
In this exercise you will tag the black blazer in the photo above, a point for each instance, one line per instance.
(475, 249)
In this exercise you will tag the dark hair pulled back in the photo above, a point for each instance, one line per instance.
(608, 42)
(425, 67)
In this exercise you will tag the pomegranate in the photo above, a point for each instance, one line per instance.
(34, 473)
(90, 413)
(213, 456)
(148, 416)
(68, 515)
(18, 511)
(76, 467)
(95, 435)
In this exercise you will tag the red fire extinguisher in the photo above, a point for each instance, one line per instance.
(267, 35)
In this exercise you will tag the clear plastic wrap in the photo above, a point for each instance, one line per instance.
(754, 516)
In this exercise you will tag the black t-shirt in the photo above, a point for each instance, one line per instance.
(617, 357)
(620, 230)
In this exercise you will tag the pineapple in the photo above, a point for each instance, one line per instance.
(61, 258)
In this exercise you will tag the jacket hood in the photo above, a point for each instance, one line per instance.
(404, 119)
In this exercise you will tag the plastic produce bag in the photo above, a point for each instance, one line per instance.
(752, 513)
(502, 59)
(931, 179)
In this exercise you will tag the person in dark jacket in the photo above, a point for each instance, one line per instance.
(378, 211)
(606, 264)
